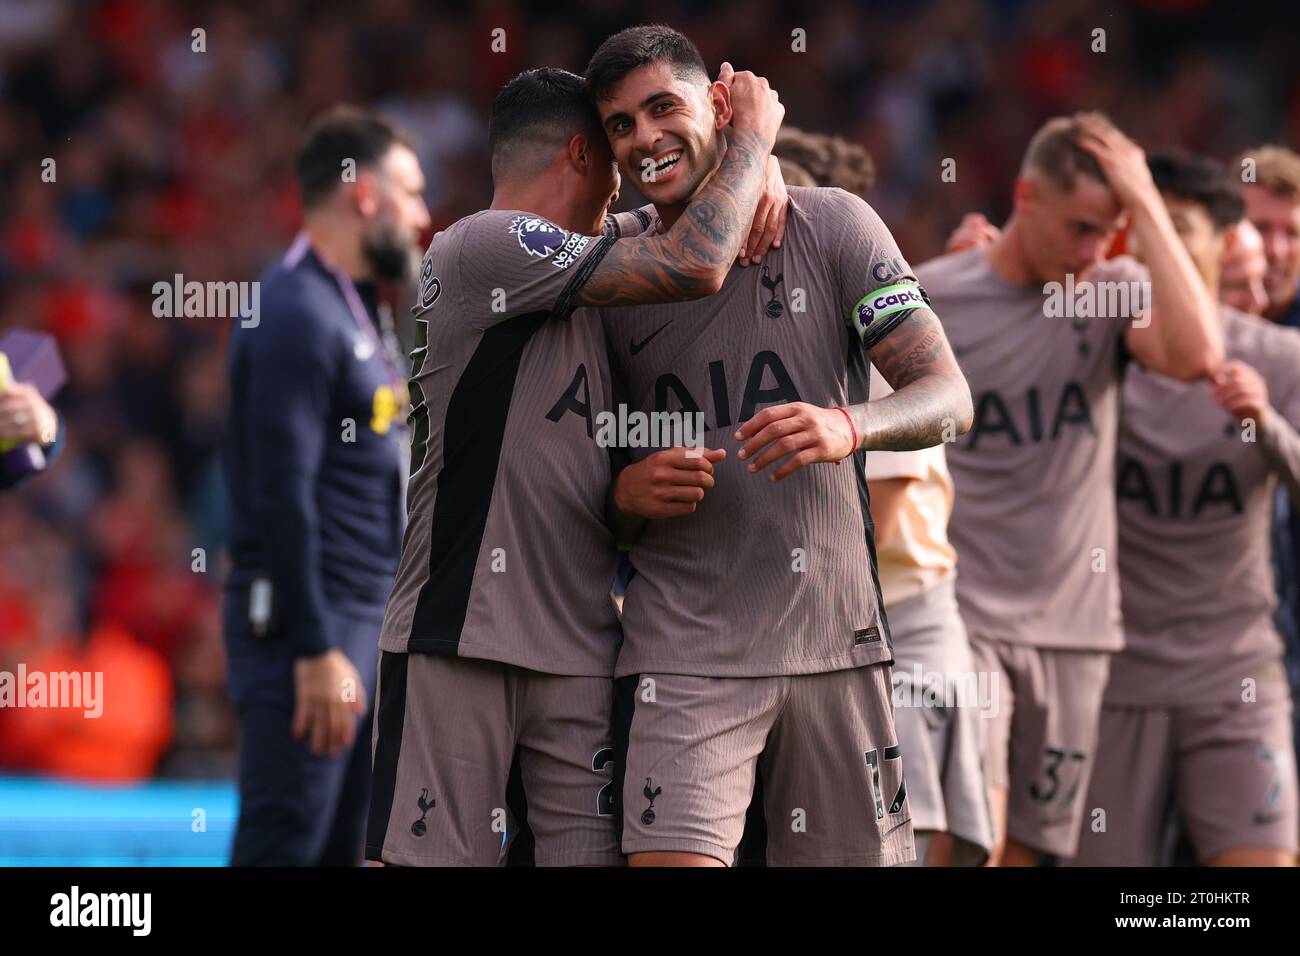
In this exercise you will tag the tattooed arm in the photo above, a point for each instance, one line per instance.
(692, 259)
(897, 330)
(765, 234)
(931, 402)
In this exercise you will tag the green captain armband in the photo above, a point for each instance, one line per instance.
(871, 314)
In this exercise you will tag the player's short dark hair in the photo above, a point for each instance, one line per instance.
(829, 160)
(536, 113)
(636, 47)
(1198, 179)
(1054, 154)
(342, 133)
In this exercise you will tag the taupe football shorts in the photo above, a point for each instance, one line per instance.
(1042, 742)
(447, 731)
(939, 707)
(825, 744)
(1228, 768)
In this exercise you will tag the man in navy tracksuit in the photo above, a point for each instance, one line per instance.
(314, 461)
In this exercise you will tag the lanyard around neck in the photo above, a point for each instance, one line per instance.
(385, 346)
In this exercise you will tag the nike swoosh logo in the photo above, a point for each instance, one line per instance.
(638, 346)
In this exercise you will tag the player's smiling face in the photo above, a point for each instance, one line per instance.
(1278, 220)
(664, 130)
(1242, 283)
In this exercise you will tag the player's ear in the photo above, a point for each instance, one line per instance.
(1230, 236)
(720, 100)
(579, 153)
(1024, 192)
(365, 194)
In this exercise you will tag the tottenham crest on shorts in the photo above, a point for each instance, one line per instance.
(537, 237)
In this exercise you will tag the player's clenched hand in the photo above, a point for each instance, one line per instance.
(1122, 160)
(805, 432)
(754, 104)
(667, 484)
(1242, 391)
(974, 230)
(328, 696)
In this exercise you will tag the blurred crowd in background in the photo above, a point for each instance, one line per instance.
(168, 160)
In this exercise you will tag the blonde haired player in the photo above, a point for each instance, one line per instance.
(1034, 523)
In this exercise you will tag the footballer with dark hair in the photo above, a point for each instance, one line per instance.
(754, 637)
(499, 638)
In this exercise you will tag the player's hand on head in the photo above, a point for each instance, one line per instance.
(668, 483)
(973, 230)
(1122, 160)
(1241, 390)
(754, 104)
(805, 433)
(328, 696)
(768, 228)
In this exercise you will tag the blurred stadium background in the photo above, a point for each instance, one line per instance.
(170, 160)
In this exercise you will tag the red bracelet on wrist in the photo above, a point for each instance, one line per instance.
(853, 428)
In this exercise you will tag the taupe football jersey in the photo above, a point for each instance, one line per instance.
(1034, 516)
(764, 578)
(506, 555)
(1195, 502)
